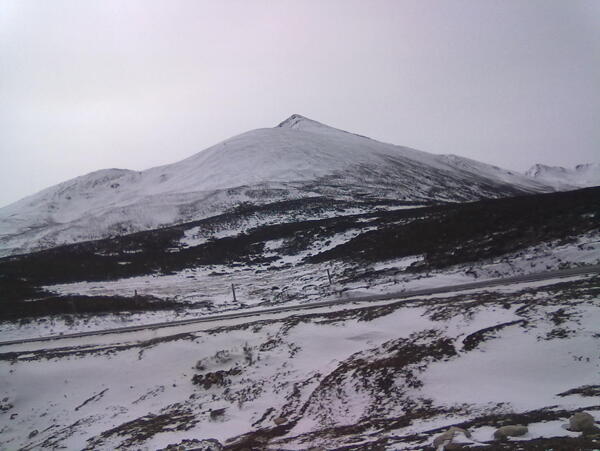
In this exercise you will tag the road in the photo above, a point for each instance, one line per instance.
(399, 295)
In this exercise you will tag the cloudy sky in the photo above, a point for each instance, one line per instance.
(86, 85)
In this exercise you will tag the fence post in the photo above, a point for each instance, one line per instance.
(233, 291)
(329, 276)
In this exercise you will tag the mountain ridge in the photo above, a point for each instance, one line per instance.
(297, 159)
(561, 178)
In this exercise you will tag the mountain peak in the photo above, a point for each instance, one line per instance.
(298, 121)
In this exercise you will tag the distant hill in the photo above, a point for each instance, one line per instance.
(581, 176)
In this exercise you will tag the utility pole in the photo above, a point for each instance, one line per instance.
(233, 291)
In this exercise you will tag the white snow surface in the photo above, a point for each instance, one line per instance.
(581, 176)
(294, 160)
(316, 371)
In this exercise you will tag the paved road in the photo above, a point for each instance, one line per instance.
(376, 297)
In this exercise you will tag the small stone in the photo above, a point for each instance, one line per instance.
(279, 420)
(33, 433)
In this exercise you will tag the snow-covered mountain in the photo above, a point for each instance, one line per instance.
(405, 360)
(581, 176)
(297, 159)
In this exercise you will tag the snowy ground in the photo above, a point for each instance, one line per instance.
(390, 375)
(208, 289)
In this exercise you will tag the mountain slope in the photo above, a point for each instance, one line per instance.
(581, 176)
(299, 158)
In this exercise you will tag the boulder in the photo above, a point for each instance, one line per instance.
(448, 439)
(581, 422)
(513, 430)
(443, 439)
(216, 414)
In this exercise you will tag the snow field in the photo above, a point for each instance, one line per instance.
(283, 362)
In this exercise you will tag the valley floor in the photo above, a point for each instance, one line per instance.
(386, 376)
(207, 289)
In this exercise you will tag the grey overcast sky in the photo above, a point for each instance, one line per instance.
(87, 85)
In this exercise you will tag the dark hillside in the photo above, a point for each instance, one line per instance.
(473, 231)
(446, 234)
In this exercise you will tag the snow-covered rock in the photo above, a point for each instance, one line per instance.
(297, 159)
(581, 176)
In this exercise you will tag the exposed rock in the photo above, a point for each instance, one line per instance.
(581, 421)
(584, 390)
(5, 405)
(513, 430)
(447, 440)
(195, 445)
(33, 433)
(279, 420)
(443, 439)
(219, 378)
(216, 414)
